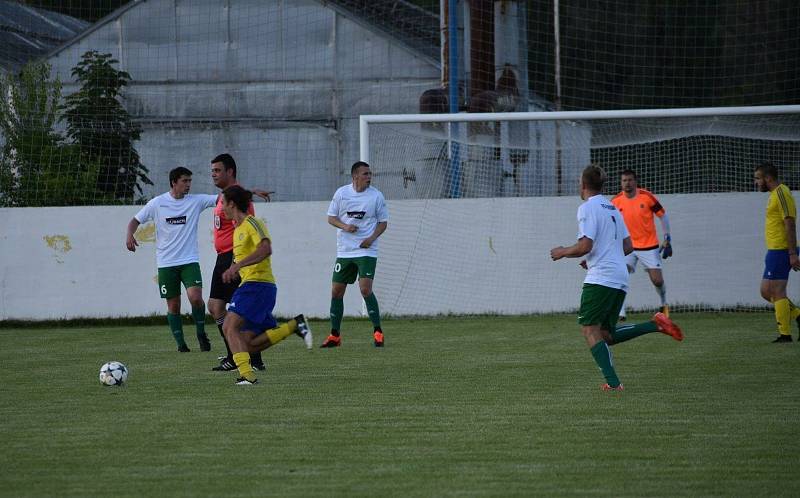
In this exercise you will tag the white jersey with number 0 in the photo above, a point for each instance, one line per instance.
(363, 209)
(176, 226)
(600, 221)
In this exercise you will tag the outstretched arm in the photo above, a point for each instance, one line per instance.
(264, 194)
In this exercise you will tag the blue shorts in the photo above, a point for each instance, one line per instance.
(776, 265)
(254, 301)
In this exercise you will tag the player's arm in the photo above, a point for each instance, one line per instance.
(263, 251)
(666, 245)
(264, 194)
(627, 246)
(576, 250)
(791, 238)
(379, 229)
(130, 240)
(335, 221)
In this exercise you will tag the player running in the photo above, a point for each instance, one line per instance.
(223, 174)
(604, 240)
(249, 325)
(638, 206)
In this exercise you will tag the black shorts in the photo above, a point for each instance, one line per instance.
(219, 289)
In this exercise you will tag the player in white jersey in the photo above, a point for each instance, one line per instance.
(605, 241)
(359, 212)
(176, 214)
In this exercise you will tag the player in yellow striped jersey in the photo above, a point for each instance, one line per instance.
(780, 235)
(249, 325)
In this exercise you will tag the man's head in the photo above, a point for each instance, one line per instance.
(223, 171)
(180, 181)
(236, 199)
(629, 181)
(592, 180)
(362, 175)
(766, 177)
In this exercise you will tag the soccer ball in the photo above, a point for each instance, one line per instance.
(113, 373)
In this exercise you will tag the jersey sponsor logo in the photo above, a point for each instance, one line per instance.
(177, 220)
(358, 215)
(608, 206)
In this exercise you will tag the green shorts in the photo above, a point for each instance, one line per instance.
(170, 278)
(345, 270)
(600, 305)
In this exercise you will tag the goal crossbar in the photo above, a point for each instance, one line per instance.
(366, 119)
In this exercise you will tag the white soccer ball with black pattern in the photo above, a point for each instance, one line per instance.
(113, 373)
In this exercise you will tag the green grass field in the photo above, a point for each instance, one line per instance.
(485, 406)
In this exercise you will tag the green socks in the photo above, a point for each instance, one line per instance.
(372, 309)
(199, 316)
(628, 332)
(176, 327)
(602, 356)
(337, 310)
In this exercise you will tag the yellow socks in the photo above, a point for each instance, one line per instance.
(783, 315)
(242, 361)
(278, 334)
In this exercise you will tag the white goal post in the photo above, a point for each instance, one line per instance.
(476, 205)
(365, 120)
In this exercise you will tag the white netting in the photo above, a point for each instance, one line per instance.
(473, 220)
(280, 84)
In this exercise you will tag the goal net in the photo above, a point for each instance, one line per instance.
(479, 200)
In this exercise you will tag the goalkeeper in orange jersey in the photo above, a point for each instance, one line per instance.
(638, 208)
(780, 234)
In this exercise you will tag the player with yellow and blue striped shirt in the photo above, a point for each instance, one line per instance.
(780, 236)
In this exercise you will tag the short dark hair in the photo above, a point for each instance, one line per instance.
(357, 165)
(240, 196)
(593, 177)
(176, 173)
(227, 161)
(629, 172)
(769, 170)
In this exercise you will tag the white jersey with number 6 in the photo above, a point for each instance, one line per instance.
(600, 221)
(176, 226)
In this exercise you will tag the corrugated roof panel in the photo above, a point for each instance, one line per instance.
(27, 33)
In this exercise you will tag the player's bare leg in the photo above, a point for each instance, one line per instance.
(657, 278)
(218, 309)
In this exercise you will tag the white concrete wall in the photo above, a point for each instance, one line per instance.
(438, 256)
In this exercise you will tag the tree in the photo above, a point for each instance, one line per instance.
(36, 167)
(103, 129)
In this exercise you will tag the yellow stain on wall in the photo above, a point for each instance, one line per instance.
(146, 233)
(58, 243)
